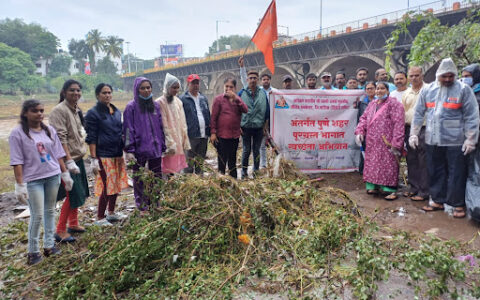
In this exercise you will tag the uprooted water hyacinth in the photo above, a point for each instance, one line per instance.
(211, 237)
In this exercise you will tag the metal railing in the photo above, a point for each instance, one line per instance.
(436, 7)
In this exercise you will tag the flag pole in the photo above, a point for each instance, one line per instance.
(249, 43)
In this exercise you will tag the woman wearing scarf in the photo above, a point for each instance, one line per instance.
(382, 127)
(174, 126)
(104, 138)
(143, 136)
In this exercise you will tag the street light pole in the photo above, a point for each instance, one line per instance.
(128, 56)
(218, 21)
(321, 7)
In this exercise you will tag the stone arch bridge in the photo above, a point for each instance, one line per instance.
(345, 52)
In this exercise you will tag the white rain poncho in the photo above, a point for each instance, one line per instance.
(451, 112)
(169, 81)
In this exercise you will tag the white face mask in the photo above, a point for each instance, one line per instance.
(467, 80)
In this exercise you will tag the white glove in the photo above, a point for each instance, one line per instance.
(359, 140)
(467, 147)
(95, 165)
(21, 192)
(395, 151)
(72, 167)
(413, 141)
(67, 180)
(129, 157)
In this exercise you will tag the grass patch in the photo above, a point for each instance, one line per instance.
(10, 106)
(7, 179)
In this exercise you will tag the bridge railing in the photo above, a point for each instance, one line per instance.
(436, 7)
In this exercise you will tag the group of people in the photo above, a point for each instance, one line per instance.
(438, 122)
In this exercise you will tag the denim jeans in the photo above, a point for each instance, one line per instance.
(42, 196)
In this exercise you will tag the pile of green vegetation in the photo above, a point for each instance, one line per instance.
(215, 237)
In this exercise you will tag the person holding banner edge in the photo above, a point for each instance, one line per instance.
(382, 127)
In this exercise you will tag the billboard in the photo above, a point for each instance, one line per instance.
(171, 50)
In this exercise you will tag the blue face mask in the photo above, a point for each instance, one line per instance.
(146, 98)
(467, 80)
(382, 98)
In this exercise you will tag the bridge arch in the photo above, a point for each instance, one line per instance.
(349, 64)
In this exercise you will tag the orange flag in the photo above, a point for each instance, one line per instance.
(266, 34)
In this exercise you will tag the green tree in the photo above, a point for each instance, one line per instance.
(95, 43)
(30, 38)
(15, 66)
(79, 50)
(113, 46)
(32, 84)
(106, 66)
(435, 41)
(235, 41)
(60, 65)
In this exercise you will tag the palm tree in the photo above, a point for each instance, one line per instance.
(113, 46)
(96, 43)
(79, 51)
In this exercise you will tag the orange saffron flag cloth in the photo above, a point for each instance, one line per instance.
(266, 34)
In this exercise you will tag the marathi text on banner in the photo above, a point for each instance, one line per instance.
(315, 128)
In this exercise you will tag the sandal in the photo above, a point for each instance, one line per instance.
(417, 198)
(391, 197)
(429, 208)
(459, 212)
(372, 192)
(408, 194)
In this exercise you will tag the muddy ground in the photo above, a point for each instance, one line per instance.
(399, 214)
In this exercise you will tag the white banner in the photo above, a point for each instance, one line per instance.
(315, 128)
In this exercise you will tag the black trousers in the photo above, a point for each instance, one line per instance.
(447, 172)
(417, 165)
(227, 155)
(196, 155)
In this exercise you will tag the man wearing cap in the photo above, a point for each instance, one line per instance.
(451, 114)
(311, 81)
(326, 81)
(287, 81)
(197, 115)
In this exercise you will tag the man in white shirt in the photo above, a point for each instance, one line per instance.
(416, 158)
(197, 115)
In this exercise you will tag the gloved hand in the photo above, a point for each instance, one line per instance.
(72, 167)
(395, 151)
(67, 180)
(359, 140)
(21, 192)
(413, 141)
(467, 147)
(130, 157)
(95, 165)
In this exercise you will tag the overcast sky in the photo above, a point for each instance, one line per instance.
(147, 24)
